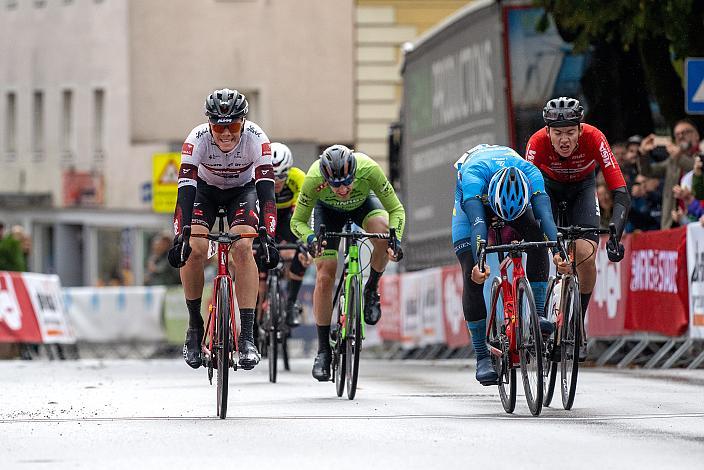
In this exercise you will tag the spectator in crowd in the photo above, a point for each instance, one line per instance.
(679, 161)
(606, 204)
(629, 165)
(646, 205)
(159, 271)
(2, 230)
(14, 250)
(689, 209)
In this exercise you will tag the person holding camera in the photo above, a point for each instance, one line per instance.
(680, 160)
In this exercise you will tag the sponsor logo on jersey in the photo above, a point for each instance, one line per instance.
(321, 186)
(478, 221)
(198, 212)
(266, 148)
(531, 154)
(254, 131)
(202, 132)
(605, 154)
(187, 149)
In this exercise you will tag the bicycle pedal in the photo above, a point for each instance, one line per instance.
(488, 383)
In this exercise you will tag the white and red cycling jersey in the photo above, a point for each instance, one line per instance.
(592, 149)
(202, 159)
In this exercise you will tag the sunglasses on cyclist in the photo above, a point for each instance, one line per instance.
(234, 127)
(337, 182)
(281, 177)
(562, 115)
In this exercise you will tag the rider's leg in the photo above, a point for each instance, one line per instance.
(295, 279)
(537, 265)
(192, 279)
(375, 222)
(322, 310)
(473, 304)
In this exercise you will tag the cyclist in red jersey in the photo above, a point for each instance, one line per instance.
(567, 152)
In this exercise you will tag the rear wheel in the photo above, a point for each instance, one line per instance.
(530, 350)
(570, 342)
(353, 342)
(507, 374)
(223, 344)
(274, 308)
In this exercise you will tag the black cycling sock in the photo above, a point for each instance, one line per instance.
(195, 319)
(584, 298)
(294, 285)
(247, 321)
(323, 338)
(373, 281)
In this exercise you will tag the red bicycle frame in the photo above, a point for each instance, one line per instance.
(509, 290)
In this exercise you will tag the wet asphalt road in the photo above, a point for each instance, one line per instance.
(407, 414)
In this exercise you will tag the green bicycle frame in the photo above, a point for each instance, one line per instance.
(352, 273)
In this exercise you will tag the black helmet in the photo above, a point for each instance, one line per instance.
(563, 112)
(224, 106)
(337, 165)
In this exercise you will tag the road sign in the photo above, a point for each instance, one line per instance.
(694, 82)
(165, 181)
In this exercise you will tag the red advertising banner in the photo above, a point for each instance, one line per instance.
(389, 326)
(654, 302)
(606, 314)
(18, 321)
(453, 318)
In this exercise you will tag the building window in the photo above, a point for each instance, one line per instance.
(99, 123)
(38, 125)
(67, 125)
(11, 126)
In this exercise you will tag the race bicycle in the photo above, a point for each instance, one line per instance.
(348, 333)
(273, 315)
(513, 332)
(564, 309)
(218, 345)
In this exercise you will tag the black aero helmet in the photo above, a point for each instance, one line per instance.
(337, 165)
(563, 112)
(224, 106)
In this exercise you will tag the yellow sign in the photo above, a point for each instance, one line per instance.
(165, 181)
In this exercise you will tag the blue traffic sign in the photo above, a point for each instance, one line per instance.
(694, 82)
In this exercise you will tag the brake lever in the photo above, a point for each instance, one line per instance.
(185, 239)
(482, 256)
(264, 242)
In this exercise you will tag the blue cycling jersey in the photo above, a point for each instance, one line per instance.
(476, 167)
(474, 171)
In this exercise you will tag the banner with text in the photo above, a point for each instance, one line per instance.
(695, 272)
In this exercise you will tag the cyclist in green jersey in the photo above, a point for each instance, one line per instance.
(340, 186)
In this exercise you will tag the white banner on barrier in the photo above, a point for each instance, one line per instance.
(695, 274)
(421, 308)
(45, 294)
(109, 314)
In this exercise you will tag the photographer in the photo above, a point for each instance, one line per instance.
(679, 160)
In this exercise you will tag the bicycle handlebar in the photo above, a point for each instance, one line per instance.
(358, 235)
(511, 248)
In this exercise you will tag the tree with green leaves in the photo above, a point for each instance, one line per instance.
(657, 35)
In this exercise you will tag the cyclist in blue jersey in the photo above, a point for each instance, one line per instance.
(495, 181)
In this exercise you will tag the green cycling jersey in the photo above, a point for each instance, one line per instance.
(368, 177)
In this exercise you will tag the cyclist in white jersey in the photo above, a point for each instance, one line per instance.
(225, 162)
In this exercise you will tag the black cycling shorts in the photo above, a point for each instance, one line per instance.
(335, 220)
(582, 204)
(242, 205)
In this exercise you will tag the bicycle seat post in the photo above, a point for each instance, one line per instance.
(221, 217)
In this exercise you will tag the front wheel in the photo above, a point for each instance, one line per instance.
(223, 343)
(570, 342)
(274, 307)
(354, 337)
(506, 373)
(530, 351)
(549, 365)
